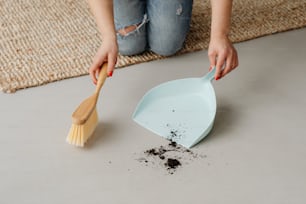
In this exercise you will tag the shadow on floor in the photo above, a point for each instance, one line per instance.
(225, 120)
(102, 135)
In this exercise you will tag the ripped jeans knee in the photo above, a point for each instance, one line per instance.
(157, 25)
(132, 38)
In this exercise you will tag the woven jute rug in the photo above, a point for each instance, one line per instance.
(43, 41)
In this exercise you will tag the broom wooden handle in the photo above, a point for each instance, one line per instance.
(102, 78)
(86, 108)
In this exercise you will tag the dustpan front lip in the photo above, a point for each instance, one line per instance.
(204, 133)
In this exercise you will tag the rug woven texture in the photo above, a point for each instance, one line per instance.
(43, 41)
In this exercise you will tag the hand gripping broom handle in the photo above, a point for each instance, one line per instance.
(101, 79)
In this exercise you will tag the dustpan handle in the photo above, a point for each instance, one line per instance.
(210, 75)
(102, 77)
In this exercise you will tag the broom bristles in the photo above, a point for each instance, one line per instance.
(79, 134)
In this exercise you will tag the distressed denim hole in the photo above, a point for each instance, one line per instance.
(179, 10)
(128, 30)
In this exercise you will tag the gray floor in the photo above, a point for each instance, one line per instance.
(256, 152)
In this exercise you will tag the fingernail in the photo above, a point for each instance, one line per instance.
(110, 73)
(218, 77)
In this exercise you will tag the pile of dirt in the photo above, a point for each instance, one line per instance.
(170, 157)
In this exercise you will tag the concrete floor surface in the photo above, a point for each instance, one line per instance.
(255, 153)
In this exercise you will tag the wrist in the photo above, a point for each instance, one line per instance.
(219, 39)
(219, 35)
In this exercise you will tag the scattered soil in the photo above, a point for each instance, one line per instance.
(171, 157)
(172, 163)
(174, 135)
(173, 144)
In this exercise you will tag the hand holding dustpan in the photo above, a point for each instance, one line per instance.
(181, 110)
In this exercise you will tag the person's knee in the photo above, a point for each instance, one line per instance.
(131, 44)
(166, 47)
(132, 39)
(166, 41)
(166, 52)
(131, 48)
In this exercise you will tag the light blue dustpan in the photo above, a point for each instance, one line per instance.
(181, 110)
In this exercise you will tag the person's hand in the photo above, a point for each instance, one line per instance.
(107, 52)
(223, 55)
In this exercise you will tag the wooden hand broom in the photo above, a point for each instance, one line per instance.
(85, 117)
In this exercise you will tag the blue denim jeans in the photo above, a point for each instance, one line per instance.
(161, 25)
